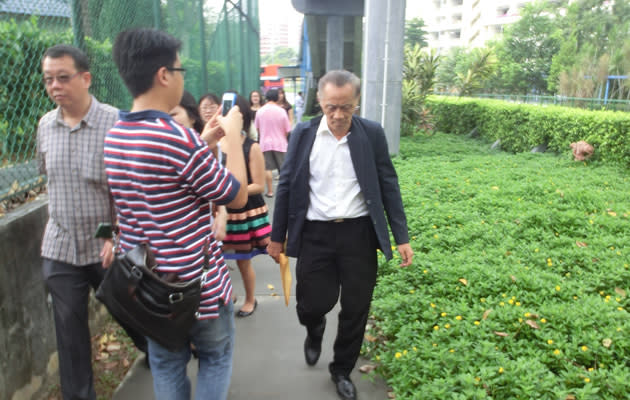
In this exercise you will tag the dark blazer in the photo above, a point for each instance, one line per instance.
(375, 173)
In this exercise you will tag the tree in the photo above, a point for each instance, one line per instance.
(414, 34)
(593, 31)
(419, 71)
(482, 68)
(281, 55)
(526, 51)
(456, 60)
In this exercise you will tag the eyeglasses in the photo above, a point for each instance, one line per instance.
(209, 107)
(180, 69)
(62, 79)
(345, 108)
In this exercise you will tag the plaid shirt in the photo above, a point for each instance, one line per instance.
(72, 158)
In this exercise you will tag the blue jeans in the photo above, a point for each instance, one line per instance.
(214, 342)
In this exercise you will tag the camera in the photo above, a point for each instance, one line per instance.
(228, 101)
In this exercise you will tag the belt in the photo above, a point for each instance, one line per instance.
(339, 220)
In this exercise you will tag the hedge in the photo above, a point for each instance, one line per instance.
(520, 127)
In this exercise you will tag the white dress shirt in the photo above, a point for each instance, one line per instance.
(334, 189)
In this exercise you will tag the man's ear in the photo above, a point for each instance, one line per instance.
(161, 77)
(87, 79)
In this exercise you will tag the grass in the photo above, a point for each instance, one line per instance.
(519, 286)
(113, 353)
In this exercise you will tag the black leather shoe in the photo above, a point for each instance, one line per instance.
(345, 387)
(313, 344)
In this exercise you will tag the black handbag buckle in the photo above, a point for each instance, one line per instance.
(136, 273)
(175, 297)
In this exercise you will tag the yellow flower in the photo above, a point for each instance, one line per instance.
(434, 344)
(432, 305)
(436, 327)
(587, 380)
(398, 355)
(518, 304)
(502, 304)
(501, 370)
(584, 348)
(520, 320)
(549, 341)
(405, 352)
(412, 291)
(557, 288)
(425, 271)
(556, 352)
(620, 308)
(536, 250)
(446, 326)
(511, 301)
(503, 295)
(483, 299)
(414, 348)
(477, 322)
(443, 314)
(527, 314)
(591, 369)
(542, 320)
(436, 236)
(451, 351)
(434, 227)
(459, 318)
(477, 378)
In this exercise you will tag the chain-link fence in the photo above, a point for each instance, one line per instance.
(220, 50)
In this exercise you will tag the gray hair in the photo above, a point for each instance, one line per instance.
(340, 78)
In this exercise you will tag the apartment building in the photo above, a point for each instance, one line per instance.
(467, 23)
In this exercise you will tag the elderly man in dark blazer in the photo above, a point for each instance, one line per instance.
(336, 184)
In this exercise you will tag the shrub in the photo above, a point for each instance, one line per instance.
(523, 126)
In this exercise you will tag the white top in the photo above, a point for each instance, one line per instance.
(334, 189)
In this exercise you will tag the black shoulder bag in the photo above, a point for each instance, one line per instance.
(158, 308)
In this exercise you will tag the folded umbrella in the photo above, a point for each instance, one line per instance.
(285, 274)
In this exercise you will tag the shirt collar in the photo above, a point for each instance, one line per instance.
(143, 115)
(323, 128)
(89, 118)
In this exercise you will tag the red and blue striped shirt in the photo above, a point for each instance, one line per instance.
(162, 176)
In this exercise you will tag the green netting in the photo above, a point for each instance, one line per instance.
(220, 50)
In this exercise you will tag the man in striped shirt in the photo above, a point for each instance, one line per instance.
(162, 176)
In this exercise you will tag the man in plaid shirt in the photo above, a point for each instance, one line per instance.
(70, 143)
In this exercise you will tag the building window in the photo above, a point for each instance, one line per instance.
(502, 11)
(456, 34)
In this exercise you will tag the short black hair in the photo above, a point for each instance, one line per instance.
(81, 61)
(271, 95)
(245, 109)
(140, 53)
(210, 96)
(189, 104)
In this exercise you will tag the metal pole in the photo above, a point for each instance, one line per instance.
(202, 43)
(77, 24)
(382, 66)
(157, 20)
(334, 42)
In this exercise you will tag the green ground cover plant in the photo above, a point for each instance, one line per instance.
(519, 286)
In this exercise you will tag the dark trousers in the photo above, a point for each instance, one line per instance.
(69, 285)
(337, 257)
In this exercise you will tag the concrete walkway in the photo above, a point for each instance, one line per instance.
(268, 357)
